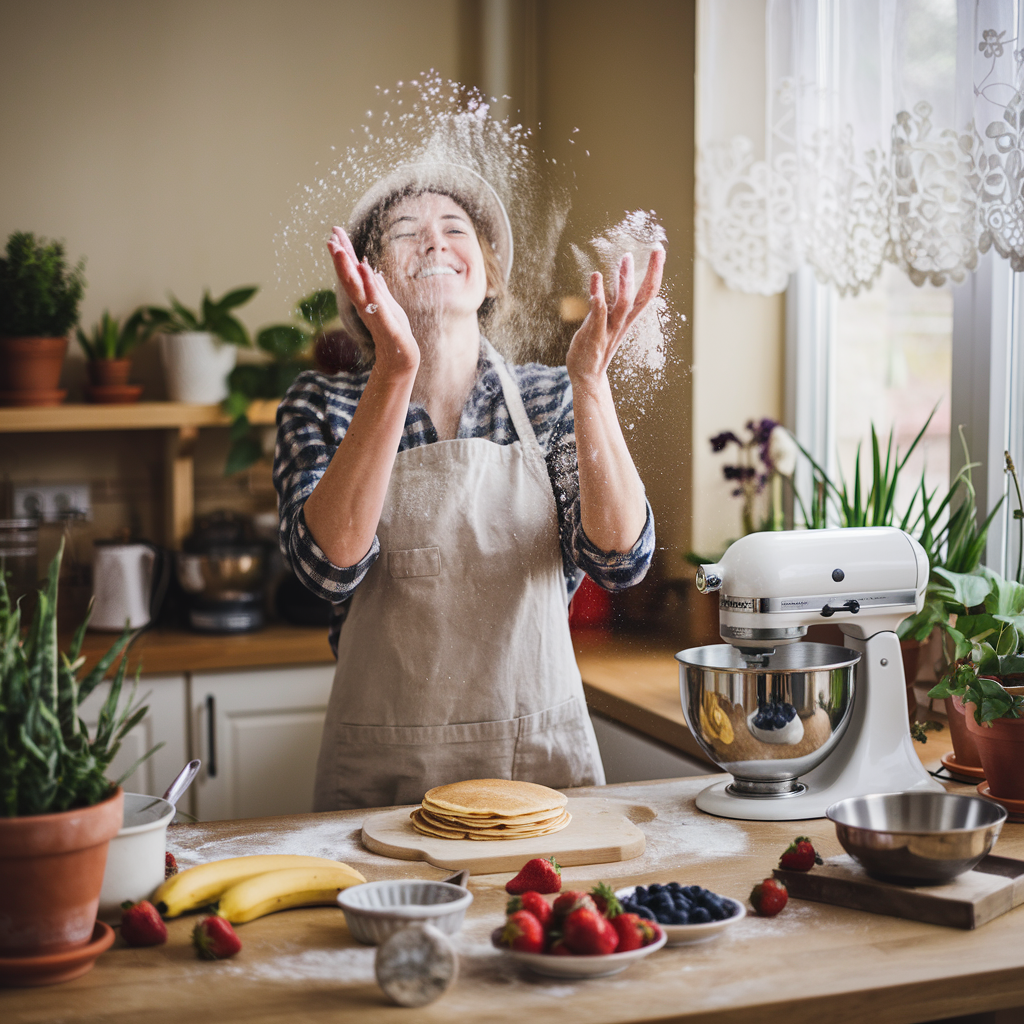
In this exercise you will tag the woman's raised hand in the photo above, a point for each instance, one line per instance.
(601, 333)
(395, 347)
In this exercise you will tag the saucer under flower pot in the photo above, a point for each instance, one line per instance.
(1000, 745)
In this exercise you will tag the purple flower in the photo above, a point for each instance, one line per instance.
(719, 441)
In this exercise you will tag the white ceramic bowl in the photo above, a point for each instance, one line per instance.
(689, 934)
(376, 910)
(135, 860)
(582, 966)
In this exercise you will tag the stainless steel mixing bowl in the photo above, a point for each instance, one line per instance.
(770, 719)
(917, 838)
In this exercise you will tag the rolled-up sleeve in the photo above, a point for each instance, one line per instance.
(310, 425)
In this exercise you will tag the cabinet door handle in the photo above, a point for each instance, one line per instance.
(211, 737)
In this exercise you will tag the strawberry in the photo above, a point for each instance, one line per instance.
(534, 903)
(605, 900)
(800, 855)
(559, 948)
(215, 939)
(542, 874)
(170, 865)
(523, 933)
(571, 900)
(588, 933)
(141, 924)
(633, 931)
(769, 897)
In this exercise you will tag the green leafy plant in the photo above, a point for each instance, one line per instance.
(48, 762)
(286, 345)
(214, 316)
(39, 292)
(110, 339)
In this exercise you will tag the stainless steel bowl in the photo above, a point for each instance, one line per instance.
(917, 838)
(727, 698)
(228, 573)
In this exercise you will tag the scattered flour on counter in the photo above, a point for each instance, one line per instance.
(350, 965)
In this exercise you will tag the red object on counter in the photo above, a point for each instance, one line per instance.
(591, 607)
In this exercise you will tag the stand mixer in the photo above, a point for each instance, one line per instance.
(802, 725)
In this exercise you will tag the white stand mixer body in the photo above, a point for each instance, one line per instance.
(876, 753)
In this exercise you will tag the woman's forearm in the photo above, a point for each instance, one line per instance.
(613, 508)
(344, 509)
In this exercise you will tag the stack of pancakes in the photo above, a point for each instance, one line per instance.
(491, 809)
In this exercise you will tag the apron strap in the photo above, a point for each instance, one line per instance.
(514, 401)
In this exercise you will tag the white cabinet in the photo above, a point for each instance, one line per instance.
(258, 735)
(167, 698)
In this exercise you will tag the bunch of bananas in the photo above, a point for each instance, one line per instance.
(245, 888)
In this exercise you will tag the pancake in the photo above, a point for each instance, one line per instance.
(492, 828)
(478, 821)
(493, 798)
(428, 828)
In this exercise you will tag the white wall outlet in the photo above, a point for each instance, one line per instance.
(51, 502)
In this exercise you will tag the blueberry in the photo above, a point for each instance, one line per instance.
(692, 890)
(646, 913)
(683, 917)
(674, 887)
(640, 893)
(699, 916)
(656, 888)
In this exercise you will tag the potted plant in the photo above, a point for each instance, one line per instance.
(107, 349)
(58, 811)
(199, 349)
(286, 345)
(39, 298)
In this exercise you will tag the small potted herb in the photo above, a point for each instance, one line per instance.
(58, 810)
(39, 298)
(199, 349)
(107, 348)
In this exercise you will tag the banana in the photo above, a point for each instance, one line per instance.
(281, 890)
(195, 887)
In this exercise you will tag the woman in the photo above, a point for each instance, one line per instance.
(453, 561)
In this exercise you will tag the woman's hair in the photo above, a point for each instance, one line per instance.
(368, 242)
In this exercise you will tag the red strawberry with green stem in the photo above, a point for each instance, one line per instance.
(633, 931)
(589, 933)
(800, 855)
(605, 899)
(534, 903)
(215, 939)
(523, 933)
(542, 874)
(769, 897)
(141, 924)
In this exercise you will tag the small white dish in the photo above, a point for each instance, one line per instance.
(690, 934)
(374, 911)
(581, 966)
(136, 856)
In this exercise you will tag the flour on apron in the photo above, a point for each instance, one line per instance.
(455, 660)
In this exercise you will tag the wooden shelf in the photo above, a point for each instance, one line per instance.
(136, 416)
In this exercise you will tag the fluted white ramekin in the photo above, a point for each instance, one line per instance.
(376, 910)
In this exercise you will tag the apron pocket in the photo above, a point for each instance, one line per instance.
(403, 565)
(384, 766)
(557, 748)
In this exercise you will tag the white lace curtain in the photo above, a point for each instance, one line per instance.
(845, 133)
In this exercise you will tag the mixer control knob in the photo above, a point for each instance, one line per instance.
(838, 575)
(709, 578)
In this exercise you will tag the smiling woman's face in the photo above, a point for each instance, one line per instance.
(432, 257)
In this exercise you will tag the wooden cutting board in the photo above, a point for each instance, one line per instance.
(993, 887)
(600, 833)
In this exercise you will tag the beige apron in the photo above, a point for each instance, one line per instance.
(455, 660)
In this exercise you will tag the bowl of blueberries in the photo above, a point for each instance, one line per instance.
(687, 913)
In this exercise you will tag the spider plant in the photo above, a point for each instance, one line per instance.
(48, 761)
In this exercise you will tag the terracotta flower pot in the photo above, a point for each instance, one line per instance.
(964, 747)
(1001, 746)
(109, 372)
(30, 370)
(51, 873)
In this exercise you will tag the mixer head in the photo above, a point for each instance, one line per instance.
(775, 584)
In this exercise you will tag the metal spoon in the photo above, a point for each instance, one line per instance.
(182, 781)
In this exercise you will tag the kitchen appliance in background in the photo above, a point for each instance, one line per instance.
(19, 557)
(129, 581)
(801, 726)
(221, 569)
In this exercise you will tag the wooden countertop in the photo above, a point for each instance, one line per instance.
(812, 963)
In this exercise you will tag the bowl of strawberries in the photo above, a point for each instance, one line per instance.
(575, 935)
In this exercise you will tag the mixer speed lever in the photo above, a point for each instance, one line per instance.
(849, 606)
